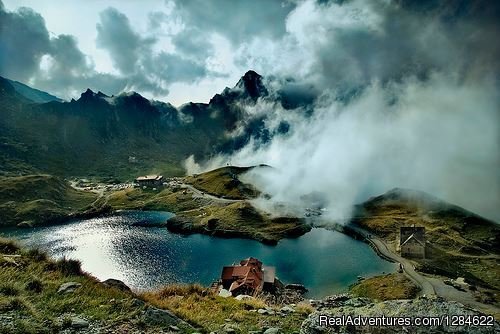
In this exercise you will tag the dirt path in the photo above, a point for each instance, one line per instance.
(99, 192)
(425, 285)
(202, 194)
(429, 285)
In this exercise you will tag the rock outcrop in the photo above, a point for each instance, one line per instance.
(335, 307)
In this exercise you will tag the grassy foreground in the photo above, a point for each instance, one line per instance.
(29, 282)
(212, 312)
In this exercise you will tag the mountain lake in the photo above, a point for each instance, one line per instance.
(325, 261)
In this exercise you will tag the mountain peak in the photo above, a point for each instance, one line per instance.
(251, 83)
(87, 93)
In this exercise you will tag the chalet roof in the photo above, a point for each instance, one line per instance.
(248, 273)
(413, 237)
(150, 178)
(407, 232)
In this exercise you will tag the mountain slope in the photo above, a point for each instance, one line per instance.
(459, 242)
(32, 94)
(119, 136)
(39, 199)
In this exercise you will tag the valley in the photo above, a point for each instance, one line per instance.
(79, 179)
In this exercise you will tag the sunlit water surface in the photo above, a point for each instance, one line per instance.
(324, 261)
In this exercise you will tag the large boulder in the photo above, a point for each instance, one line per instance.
(68, 287)
(117, 284)
(154, 316)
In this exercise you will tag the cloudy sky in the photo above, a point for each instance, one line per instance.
(189, 50)
(177, 51)
(406, 92)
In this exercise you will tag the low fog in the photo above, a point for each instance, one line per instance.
(438, 136)
(422, 109)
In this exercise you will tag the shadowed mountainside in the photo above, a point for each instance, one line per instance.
(118, 136)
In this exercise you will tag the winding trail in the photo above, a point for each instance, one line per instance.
(381, 247)
(202, 194)
(430, 286)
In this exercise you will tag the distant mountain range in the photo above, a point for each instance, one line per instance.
(124, 135)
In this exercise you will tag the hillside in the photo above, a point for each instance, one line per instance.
(120, 136)
(32, 94)
(39, 199)
(459, 242)
(213, 203)
(224, 182)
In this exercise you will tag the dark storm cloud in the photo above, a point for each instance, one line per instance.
(193, 43)
(237, 20)
(24, 39)
(66, 70)
(132, 54)
(410, 41)
(178, 68)
(115, 34)
(348, 44)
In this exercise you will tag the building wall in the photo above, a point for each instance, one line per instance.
(413, 250)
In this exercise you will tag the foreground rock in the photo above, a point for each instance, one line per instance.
(153, 316)
(69, 287)
(117, 284)
(343, 305)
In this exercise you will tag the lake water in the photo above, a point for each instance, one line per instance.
(324, 261)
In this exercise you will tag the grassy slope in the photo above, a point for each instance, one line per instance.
(39, 199)
(194, 213)
(238, 219)
(224, 182)
(386, 287)
(460, 242)
(210, 312)
(43, 310)
(39, 310)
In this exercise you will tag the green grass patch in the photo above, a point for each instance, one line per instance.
(386, 287)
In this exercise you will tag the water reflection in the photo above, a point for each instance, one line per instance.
(148, 257)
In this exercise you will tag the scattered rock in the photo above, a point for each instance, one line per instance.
(25, 224)
(77, 322)
(262, 311)
(114, 283)
(155, 316)
(287, 309)
(229, 328)
(272, 330)
(225, 293)
(137, 302)
(345, 305)
(243, 297)
(69, 287)
(298, 287)
(174, 328)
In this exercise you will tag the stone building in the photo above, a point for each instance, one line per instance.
(150, 181)
(412, 241)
